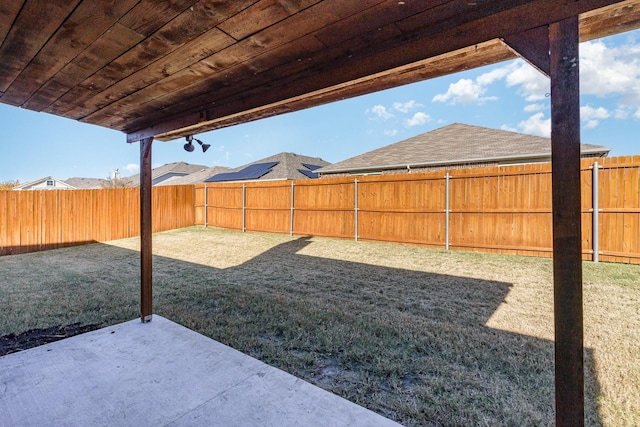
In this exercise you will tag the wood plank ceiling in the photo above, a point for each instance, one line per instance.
(173, 68)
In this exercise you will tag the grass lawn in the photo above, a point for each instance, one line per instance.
(422, 336)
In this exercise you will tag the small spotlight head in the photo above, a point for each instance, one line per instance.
(189, 145)
(204, 146)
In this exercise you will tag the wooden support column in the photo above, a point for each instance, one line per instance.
(554, 51)
(567, 240)
(146, 230)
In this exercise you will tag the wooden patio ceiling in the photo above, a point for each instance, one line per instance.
(173, 68)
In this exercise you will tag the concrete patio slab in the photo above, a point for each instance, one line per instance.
(160, 374)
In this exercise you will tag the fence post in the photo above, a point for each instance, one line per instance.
(206, 207)
(595, 216)
(244, 195)
(446, 211)
(291, 219)
(355, 222)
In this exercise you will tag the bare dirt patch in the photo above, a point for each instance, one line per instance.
(12, 343)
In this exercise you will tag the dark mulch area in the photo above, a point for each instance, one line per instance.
(12, 343)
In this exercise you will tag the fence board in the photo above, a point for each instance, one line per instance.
(49, 219)
(339, 224)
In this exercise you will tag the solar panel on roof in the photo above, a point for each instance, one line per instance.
(311, 167)
(308, 173)
(254, 171)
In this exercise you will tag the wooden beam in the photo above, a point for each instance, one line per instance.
(146, 230)
(567, 260)
(532, 46)
(463, 59)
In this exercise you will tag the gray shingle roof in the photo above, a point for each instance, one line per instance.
(196, 177)
(86, 183)
(287, 167)
(181, 168)
(40, 180)
(455, 144)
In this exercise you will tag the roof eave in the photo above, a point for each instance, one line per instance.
(529, 157)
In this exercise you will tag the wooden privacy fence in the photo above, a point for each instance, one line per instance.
(41, 220)
(497, 209)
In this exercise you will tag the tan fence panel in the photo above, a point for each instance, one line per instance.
(586, 198)
(224, 206)
(268, 207)
(50, 219)
(503, 210)
(619, 200)
(199, 217)
(4, 231)
(14, 223)
(166, 200)
(325, 208)
(411, 210)
(41, 220)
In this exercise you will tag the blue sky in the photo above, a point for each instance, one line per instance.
(510, 95)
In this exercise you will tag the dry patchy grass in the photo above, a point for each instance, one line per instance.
(422, 336)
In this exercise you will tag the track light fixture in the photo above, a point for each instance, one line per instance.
(189, 145)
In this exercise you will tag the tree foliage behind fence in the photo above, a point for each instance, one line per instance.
(49, 219)
(497, 209)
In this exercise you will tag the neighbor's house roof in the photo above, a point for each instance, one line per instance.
(86, 183)
(46, 183)
(195, 177)
(456, 144)
(168, 171)
(283, 166)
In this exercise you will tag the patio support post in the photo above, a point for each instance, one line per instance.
(553, 50)
(146, 229)
(567, 239)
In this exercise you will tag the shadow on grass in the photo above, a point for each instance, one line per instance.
(410, 345)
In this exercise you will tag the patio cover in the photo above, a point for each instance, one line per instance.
(166, 69)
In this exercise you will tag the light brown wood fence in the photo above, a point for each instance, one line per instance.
(41, 220)
(499, 209)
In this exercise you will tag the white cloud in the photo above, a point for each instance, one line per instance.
(509, 128)
(592, 116)
(405, 107)
(606, 71)
(381, 112)
(391, 132)
(132, 167)
(493, 75)
(536, 125)
(637, 114)
(532, 108)
(418, 118)
(464, 91)
(621, 114)
(532, 84)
